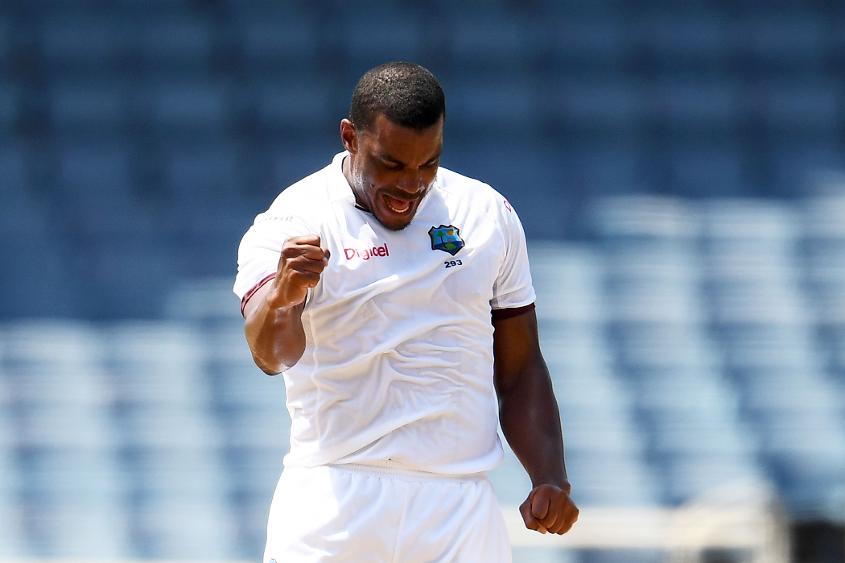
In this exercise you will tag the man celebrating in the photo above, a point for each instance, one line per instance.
(396, 297)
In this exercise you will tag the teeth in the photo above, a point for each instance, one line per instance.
(389, 201)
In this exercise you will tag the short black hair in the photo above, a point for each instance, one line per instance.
(406, 93)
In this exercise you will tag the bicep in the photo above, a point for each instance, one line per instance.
(516, 346)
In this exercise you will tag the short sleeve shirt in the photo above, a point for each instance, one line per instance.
(398, 364)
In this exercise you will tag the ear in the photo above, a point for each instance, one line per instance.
(348, 136)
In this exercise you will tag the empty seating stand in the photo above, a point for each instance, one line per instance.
(695, 336)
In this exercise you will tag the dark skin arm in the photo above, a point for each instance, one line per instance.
(272, 316)
(531, 422)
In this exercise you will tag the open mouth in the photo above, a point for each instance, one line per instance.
(396, 205)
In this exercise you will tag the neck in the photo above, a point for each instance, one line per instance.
(346, 168)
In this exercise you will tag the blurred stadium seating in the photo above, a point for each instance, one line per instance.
(696, 334)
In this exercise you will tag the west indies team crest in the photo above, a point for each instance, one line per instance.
(446, 238)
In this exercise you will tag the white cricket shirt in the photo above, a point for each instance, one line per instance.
(398, 364)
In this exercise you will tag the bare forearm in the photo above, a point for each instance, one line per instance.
(275, 334)
(273, 315)
(531, 423)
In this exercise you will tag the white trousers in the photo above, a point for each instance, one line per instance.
(361, 515)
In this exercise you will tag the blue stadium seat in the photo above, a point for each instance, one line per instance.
(791, 392)
(687, 39)
(275, 42)
(578, 354)
(79, 104)
(95, 168)
(500, 9)
(13, 537)
(792, 38)
(151, 426)
(797, 164)
(71, 340)
(712, 168)
(10, 477)
(508, 103)
(567, 284)
(491, 40)
(621, 556)
(95, 192)
(174, 42)
(807, 456)
(819, 216)
(8, 105)
(5, 40)
(543, 555)
(286, 161)
(690, 477)
(20, 215)
(231, 371)
(664, 347)
(111, 272)
(604, 432)
(597, 43)
(251, 514)
(659, 226)
(256, 427)
(401, 38)
(602, 104)
(42, 289)
(187, 529)
(83, 42)
(510, 481)
(612, 480)
(83, 529)
(650, 267)
(698, 106)
(777, 350)
(690, 342)
(177, 473)
(293, 100)
(612, 167)
(253, 472)
(812, 104)
(71, 474)
(75, 426)
(181, 105)
(156, 364)
(210, 171)
(210, 305)
(653, 303)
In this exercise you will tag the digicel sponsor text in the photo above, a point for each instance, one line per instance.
(366, 253)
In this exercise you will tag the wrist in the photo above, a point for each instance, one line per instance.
(277, 303)
(559, 482)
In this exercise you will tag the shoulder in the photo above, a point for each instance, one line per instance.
(307, 195)
(459, 186)
(483, 198)
(304, 203)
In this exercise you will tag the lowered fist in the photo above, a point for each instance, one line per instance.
(301, 263)
(549, 509)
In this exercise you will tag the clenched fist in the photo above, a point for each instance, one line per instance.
(300, 266)
(549, 509)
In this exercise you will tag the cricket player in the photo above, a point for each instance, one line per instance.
(395, 297)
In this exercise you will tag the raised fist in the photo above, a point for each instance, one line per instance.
(300, 266)
(549, 509)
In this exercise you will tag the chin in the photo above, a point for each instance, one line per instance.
(392, 225)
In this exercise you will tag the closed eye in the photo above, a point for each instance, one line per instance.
(390, 165)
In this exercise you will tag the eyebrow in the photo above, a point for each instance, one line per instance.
(388, 158)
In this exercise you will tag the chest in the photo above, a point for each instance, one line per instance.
(442, 256)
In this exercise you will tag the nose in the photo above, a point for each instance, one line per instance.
(411, 182)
